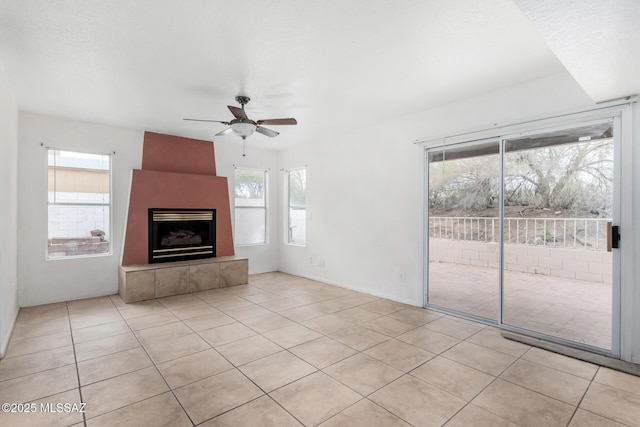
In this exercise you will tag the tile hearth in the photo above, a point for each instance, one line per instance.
(287, 351)
(144, 282)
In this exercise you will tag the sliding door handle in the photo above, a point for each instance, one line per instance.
(613, 236)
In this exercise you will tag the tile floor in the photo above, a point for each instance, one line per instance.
(286, 351)
(567, 308)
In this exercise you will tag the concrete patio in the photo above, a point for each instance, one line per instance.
(567, 308)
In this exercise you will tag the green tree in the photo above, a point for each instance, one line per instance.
(465, 184)
(297, 187)
(577, 177)
(249, 184)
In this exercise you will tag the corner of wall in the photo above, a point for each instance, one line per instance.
(8, 211)
(262, 258)
(6, 335)
(43, 281)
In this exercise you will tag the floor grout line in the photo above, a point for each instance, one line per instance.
(389, 335)
(161, 376)
(75, 358)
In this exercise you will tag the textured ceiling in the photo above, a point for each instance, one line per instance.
(598, 41)
(332, 64)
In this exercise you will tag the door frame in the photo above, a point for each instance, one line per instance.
(620, 116)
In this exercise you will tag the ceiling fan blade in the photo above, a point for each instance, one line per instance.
(289, 121)
(227, 131)
(204, 120)
(238, 113)
(267, 132)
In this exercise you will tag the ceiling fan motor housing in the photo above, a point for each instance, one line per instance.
(243, 126)
(242, 100)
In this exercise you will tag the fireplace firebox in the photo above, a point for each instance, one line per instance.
(181, 234)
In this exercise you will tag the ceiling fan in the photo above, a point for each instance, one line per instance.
(242, 126)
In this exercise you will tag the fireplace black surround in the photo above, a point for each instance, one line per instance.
(181, 234)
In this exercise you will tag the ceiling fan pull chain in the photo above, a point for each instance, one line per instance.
(244, 146)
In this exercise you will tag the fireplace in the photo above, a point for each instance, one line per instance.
(181, 234)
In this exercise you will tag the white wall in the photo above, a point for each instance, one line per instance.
(365, 195)
(8, 210)
(364, 215)
(262, 258)
(43, 281)
(364, 198)
(365, 189)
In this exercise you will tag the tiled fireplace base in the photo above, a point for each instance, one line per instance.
(143, 282)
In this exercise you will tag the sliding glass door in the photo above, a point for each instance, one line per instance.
(558, 201)
(464, 228)
(521, 232)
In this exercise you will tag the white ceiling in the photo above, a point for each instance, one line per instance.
(598, 41)
(332, 64)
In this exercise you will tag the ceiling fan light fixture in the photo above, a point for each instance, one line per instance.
(243, 126)
(243, 129)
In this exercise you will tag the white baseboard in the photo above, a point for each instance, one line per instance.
(5, 343)
(358, 289)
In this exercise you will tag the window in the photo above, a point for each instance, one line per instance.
(79, 196)
(297, 226)
(250, 207)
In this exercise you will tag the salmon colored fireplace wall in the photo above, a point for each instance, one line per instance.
(177, 173)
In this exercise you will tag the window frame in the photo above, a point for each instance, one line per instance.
(265, 172)
(288, 228)
(108, 253)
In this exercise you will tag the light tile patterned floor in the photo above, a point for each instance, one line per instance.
(572, 309)
(286, 351)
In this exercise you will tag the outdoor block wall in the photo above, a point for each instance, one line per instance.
(590, 266)
(78, 220)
